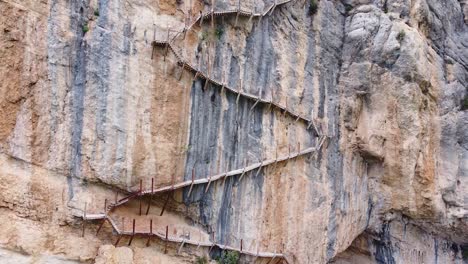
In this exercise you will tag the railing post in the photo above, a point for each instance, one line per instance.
(139, 194)
(193, 179)
(151, 197)
(165, 203)
(201, 19)
(150, 233)
(167, 44)
(167, 239)
(100, 226)
(239, 92)
(84, 220)
(133, 233)
(243, 170)
(120, 233)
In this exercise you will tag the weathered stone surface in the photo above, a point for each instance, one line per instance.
(89, 108)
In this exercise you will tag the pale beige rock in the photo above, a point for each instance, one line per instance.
(110, 254)
(88, 108)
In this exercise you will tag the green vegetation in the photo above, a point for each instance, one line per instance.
(228, 257)
(96, 12)
(313, 7)
(464, 252)
(348, 7)
(219, 32)
(401, 35)
(204, 35)
(211, 35)
(201, 260)
(85, 28)
(464, 106)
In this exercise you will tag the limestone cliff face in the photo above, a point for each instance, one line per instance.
(89, 107)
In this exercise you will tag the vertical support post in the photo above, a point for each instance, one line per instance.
(223, 81)
(253, 106)
(298, 117)
(133, 233)
(120, 236)
(190, 12)
(225, 174)
(105, 206)
(213, 243)
(181, 246)
(167, 44)
(260, 18)
(208, 185)
(251, 15)
(237, 15)
(165, 203)
(117, 241)
(182, 68)
(116, 197)
(241, 246)
(259, 168)
(243, 170)
(211, 45)
(191, 185)
(139, 194)
(207, 79)
(167, 239)
(276, 157)
(201, 19)
(272, 259)
(150, 233)
(271, 102)
(212, 15)
(285, 108)
(100, 226)
(195, 76)
(210, 65)
(84, 220)
(239, 91)
(151, 197)
(273, 8)
(199, 239)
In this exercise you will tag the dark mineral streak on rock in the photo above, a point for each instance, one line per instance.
(79, 60)
(383, 246)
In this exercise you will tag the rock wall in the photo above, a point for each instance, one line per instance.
(90, 107)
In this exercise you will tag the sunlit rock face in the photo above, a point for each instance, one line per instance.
(89, 108)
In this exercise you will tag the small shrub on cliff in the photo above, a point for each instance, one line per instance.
(348, 8)
(464, 252)
(96, 12)
(204, 35)
(219, 32)
(201, 260)
(464, 103)
(401, 35)
(313, 7)
(229, 257)
(85, 28)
